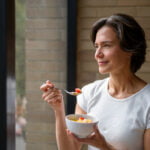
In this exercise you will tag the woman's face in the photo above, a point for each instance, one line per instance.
(109, 55)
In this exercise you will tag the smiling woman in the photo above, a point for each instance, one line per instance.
(133, 40)
(117, 100)
(109, 55)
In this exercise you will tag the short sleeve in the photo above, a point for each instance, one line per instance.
(148, 120)
(88, 91)
(82, 101)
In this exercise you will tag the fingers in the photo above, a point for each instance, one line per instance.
(47, 85)
(54, 101)
(96, 130)
(95, 139)
(53, 97)
(51, 94)
(48, 82)
(88, 139)
(73, 136)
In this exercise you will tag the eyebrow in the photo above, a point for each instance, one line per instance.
(104, 42)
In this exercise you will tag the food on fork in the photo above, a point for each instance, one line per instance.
(47, 85)
(76, 92)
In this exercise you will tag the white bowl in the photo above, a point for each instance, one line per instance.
(81, 130)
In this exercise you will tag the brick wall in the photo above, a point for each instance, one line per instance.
(91, 10)
(45, 59)
(46, 55)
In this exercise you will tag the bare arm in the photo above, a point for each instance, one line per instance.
(63, 142)
(54, 98)
(147, 139)
(77, 144)
(79, 110)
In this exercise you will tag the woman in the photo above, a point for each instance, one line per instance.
(121, 101)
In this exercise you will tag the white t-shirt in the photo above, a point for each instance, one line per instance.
(121, 121)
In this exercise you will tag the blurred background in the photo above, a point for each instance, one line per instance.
(42, 53)
(20, 74)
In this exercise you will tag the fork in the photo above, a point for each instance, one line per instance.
(72, 93)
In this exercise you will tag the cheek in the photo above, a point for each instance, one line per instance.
(110, 55)
(116, 53)
(120, 58)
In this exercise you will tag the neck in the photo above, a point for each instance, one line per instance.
(124, 85)
(121, 81)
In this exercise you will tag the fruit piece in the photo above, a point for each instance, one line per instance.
(78, 90)
(81, 118)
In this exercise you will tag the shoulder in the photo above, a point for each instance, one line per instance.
(94, 86)
(146, 95)
(142, 100)
(147, 88)
(95, 83)
(89, 91)
(143, 96)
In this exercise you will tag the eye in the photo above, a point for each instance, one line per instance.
(107, 45)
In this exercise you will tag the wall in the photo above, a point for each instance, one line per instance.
(46, 55)
(90, 11)
(45, 59)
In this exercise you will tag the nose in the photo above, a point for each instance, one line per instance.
(99, 53)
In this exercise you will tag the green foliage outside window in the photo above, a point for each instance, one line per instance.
(20, 47)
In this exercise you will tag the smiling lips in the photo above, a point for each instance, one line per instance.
(102, 62)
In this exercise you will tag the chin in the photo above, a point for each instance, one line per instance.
(103, 72)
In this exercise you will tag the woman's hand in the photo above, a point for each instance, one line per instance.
(96, 139)
(52, 95)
